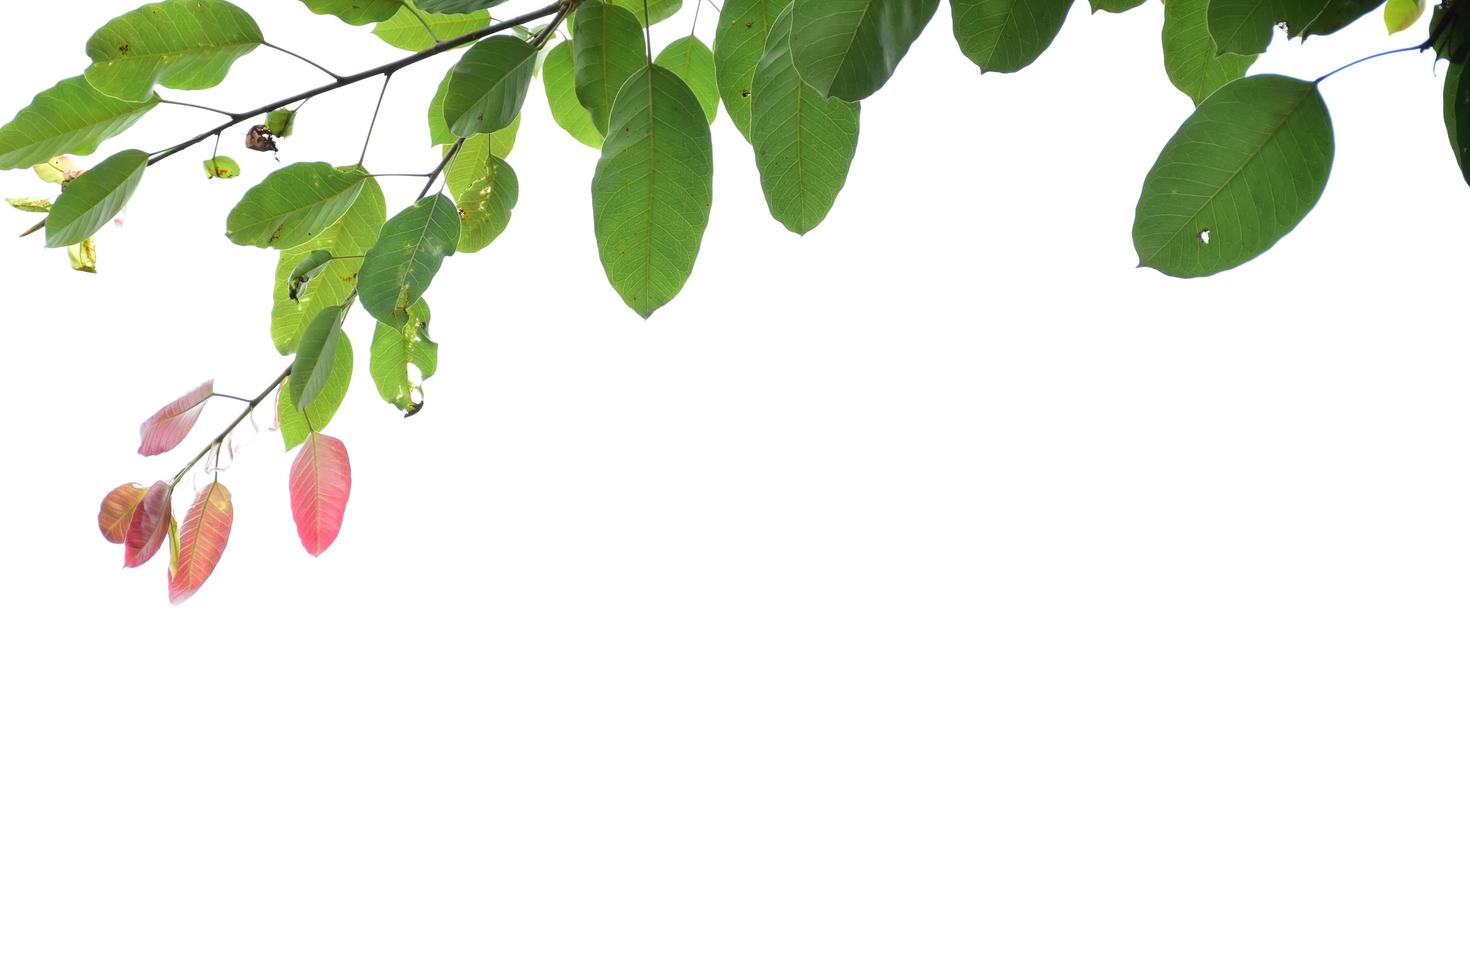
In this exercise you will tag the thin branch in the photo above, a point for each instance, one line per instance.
(299, 57)
(443, 165)
(546, 32)
(219, 440)
(195, 105)
(1369, 57)
(372, 125)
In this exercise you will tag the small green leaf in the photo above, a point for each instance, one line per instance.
(281, 122)
(294, 205)
(395, 350)
(740, 40)
(95, 198)
(356, 12)
(406, 29)
(183, 44)
(1400, 15)
(1240, 173)
(1007, 35)
(296, 424)
(848, 49)
(1245, 26)
(407, 256)
(558, 75)
(693, 61)
(224, 168)
(652, 189)
(58, 170)
(607, 50)
(305, 271)
(485, 189)
(35, 205)
(314, 356)
(488, 86)
(1189, 51)
(69, 117)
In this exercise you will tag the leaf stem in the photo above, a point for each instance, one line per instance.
(195, 105)
(1368, 57)
(372, 125)
(219, 440)
(299, 57)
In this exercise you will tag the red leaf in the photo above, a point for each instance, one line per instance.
(117, 511)
(149, 525)
(321, 479)
(202, 541)
(168, 426)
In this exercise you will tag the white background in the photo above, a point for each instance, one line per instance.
(935, 596)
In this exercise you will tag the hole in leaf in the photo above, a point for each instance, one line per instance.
(1204, 236)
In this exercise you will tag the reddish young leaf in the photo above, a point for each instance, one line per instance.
(321, 479)
(149, 525)
(117, 511)
(206, 531)
(168, 426)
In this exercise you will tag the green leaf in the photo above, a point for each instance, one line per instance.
(83, 255)
(485, 189)
(296, 424)
(1331, 17)
(183, 44)
(1400, 15)
(1007, 35)
(305, 271)
(652, 189)
(1245, 26)
(34, 205)
(1189, 51)
(58, 170)
(658, 10)
(456, 6)
(395, 350)
(488, 86)
(607, 50)
(95, 198)
(693, 61)
(1240, 173)
(804, 144)
(1457, 115)
(406, 29)
(294, 205)
(407, 256)
(224, 168)
(848, 49)
(356, 12)
(347, 240)
(69, 117)
(740, 40)
(315, 355)
(1114, 6)
(281, 122)
(558, 75)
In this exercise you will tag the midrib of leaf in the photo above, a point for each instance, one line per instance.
(1005, 24)
(1236, 173)
(652, 181)
(186, 561)
(852, 40)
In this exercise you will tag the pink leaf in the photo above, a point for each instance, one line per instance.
(321, 479)
(149, 525)
(117, 511)
(202, 541)
(168, 426)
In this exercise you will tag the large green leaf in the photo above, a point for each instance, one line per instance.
(1240, 173)
(407, 256)
(804, 143)
(488, 86)
(356, 12)
(1007, 35)
(395, 350)
(658, 10)
(413, 30)
(1333, 16)
(295, 204)
(607, 50)
(558, 75)
(95, 198)
(183, 44)
(69, 117)
(315, 356)
(352, 235)
(1189, 51)
(485, 189)
(693, 61)
(848, 49)
(740, 40)
(652, 189)
(503, 140)
(296, 424)
(1114, 6)
(1245, 26)
(1457, 115)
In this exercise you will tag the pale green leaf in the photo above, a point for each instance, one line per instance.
(221, 167)
(313, 265)
(281, 122)
(658, 10)
(693, 61)
(69, 117)
(92, 200)
(35, 205)
(559, 77)
(1400, 15)
(294, 205)
(296, 425)
(740, 40)
(485, 189)
(407, 256)
(182, 44)
(1007, 35)
(83, 255)
(1189, 51)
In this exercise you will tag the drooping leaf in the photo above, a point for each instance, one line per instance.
(202, 541)
(305, 271)
(804, 144)
(693, 61)
(83, 255)
(1007, 35)
(607, 50)
(1189, 51)
(658, 10)
(224, 168)
(69, 117)
(295, 204)
(488, 86)
(148, 526)
(117, 511)
(315, 356)
(33, 205)
(1239, 174)
(848, 49)
(1400, 15)
(296, 424)
(407, 256)
(182, 44)
(740, 40)
(485, 189)
(95, 198)
(558, 75)
(281, 122)
(652, 189)
(395, 350)
(456, 6)
(1457, 115)
(356, 12)
(171, 424)
(406, 29)
(321, 481)
(1114, 6)
(59, 170)
(347, 240)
